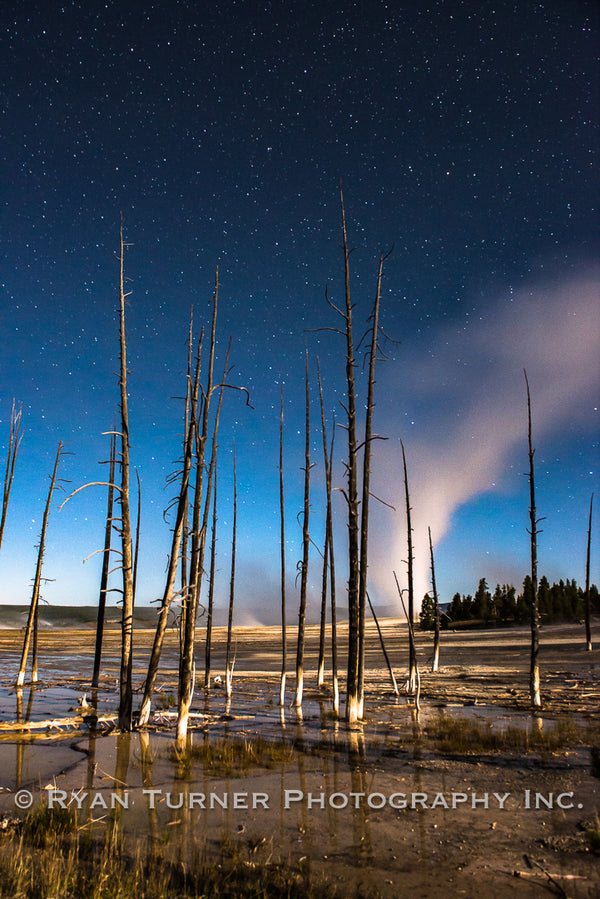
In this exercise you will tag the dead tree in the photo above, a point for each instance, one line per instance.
(324, 578)
(14, 440)
(185, 536)
(211, 582)
(228, 655)
(413, 651)
(125, 689)
(383, 649)
(534, 669)
(192, 600)
(327, 455)
(282, 542)
(436, 637)
(366, 486)
(35, 596)
(138, 522)
(181, 515)
(305, 551)
(353, 676)
(105, 562)
(412, 665)
(588, 626)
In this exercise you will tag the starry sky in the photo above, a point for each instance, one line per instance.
(464, 135)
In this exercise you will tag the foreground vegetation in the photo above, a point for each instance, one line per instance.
(50, 857)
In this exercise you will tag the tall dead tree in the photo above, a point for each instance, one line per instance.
(588, 611)
(14, 441)
(185, 535)
(305, 552)
(35, 596)
(211, 582)
(352, 713)
(412, 662)
(436, 636)
(105, 561)
(330, 556)
(366, 488)
(181, 515)
(191, 602)
(534, 668)
(125, 687)
(324, 577)
(228, 651)
(282, 543)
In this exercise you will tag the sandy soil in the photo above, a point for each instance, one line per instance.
(380, 807)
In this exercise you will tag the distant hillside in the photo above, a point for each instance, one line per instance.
(12, 616)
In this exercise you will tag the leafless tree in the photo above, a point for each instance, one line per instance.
(212, 480)
(436, 637)
(125, 688)
(412, 665)
(168, 594)
(283, 574)
(534, 670)
(366, 493)
(416, 691)
(588, 626)
(211, 581)
(105, 561)
(31, 627)
(305, 555)
(14, 441)
(330, 556)
(383, 649)
(353, 710)
(228, 652)
(191, 602)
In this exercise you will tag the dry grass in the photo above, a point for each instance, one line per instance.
(51, 857)
(462, 735)
(229, 757)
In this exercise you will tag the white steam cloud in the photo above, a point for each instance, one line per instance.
(464, 394)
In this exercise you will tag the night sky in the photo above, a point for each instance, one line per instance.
(464, 135)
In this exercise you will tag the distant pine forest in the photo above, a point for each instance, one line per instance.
(560, 602)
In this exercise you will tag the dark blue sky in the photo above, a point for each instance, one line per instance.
(465, 135)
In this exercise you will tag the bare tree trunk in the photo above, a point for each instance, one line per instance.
(282, 541)
(327, 455)
(305, 548)
(588, 626)
(436, 637)
(385, 655)
(534, 670)
(185, 536)
(138, 522)
(14, 440)
(323, 616)
(35, 596)
(105, 561)
(211, 582)
(412, 665)
(413, 652)
(352, 685)
(187, 667)
(366, 486)
(228, 660)
(125, 695)
(189, 434)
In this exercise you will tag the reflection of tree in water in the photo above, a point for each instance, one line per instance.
(357, 762)
(114, 833)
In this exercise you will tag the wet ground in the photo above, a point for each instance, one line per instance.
(383, 806)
